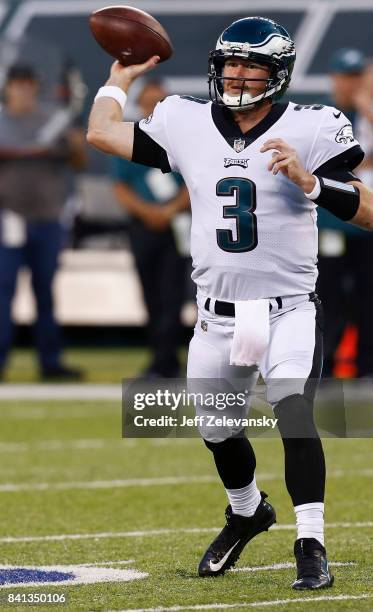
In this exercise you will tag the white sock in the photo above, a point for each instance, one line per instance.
(310, 521)
(246, 500)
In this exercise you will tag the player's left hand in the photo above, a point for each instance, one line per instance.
(286, 160)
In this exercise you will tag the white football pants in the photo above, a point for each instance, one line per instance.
(293, 352)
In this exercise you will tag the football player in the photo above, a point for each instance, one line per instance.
(256, 170)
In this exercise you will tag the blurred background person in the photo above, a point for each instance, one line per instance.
(33, 187)
(154, 200)
(364, 122)
(345, 252)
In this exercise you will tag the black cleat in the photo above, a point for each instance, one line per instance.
(224, 551)
(312, 565)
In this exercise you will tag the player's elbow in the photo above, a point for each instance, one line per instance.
(100, 139)
(105, 141)
(96, 138)
(114, 138)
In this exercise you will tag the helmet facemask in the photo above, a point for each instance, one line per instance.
(244, 99)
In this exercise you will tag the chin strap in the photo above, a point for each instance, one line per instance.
(234, 101)
(247, 101)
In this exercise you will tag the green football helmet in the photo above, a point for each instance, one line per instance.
(258, 39)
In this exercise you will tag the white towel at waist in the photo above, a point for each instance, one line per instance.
(251, 332)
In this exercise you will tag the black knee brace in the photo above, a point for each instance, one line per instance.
(304, 455)
(234, 460)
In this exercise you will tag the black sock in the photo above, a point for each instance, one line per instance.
(235, 461)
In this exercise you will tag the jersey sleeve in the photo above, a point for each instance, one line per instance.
(152, 145)
(334, 146)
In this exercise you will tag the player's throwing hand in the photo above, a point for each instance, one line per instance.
(123, 76)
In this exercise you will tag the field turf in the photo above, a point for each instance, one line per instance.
(154, 506)
(99, 365)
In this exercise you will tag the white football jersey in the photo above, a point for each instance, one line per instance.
(254, 235)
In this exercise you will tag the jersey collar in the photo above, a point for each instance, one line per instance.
(228, 128)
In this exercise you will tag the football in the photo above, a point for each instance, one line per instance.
(129, 34)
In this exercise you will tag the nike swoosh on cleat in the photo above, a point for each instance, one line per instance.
(337, 115)
(215, 567)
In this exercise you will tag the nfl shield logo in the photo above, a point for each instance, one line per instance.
(204, 326)
(239, 145)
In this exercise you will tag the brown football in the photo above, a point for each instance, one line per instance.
(129, 34)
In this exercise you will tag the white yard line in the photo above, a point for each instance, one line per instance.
(345, 525)
(62, 445)
(101, 563)
(60, 392)
(286, 565)
(103, 535)
(18, 487)
(158, 532)
(60, 413)
(351, 390)
(90, 443)
(253, 604)
(104, 484)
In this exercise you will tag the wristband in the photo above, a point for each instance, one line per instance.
(341, 199)
(111, 91)
(315, 191)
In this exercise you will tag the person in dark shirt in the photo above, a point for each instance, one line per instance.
(153, 199)
(33, 185)
(345, 251)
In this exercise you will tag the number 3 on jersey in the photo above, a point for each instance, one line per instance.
(242, 211)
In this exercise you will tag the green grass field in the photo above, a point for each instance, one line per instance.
(154, 506)
(100, 365)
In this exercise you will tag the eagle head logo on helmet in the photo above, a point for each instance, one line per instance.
(260, 40)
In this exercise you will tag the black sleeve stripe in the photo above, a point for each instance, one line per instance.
(340, 167)
(148, 152)
(342, 175)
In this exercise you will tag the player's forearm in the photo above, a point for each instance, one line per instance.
(110, 135)
(129, 200)
(106, 129)
(105, 111)
(104, 116)
(364, 215)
